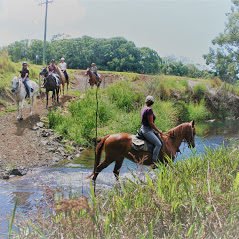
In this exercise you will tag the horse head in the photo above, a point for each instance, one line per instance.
(88, 72)
(44, 72)
(15, 84)
(190, 133)
(184, 132)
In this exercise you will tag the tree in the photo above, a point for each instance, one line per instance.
(223, 57)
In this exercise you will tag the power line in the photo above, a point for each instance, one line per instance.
(45, 29)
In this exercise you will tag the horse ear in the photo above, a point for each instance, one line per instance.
(192, 123)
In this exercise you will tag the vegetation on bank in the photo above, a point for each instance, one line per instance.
(120, 105)
(194, 198)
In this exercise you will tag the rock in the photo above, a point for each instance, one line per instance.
(210, 121)
(58, 138)
(44, 142)
(45, 133)
(77, 155)
(55, 159)
(40, 124)
(5, 177)
(17, 172)
(69, 157)
(52, 149)
(35, 128)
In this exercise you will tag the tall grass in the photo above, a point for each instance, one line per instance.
(195, 198)
(119, 111)
(8, 70)
(198, 111)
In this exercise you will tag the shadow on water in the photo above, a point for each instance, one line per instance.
(72, 178)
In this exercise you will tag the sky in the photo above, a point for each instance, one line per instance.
(181, 28)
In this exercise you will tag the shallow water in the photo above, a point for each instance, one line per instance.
(31, 190)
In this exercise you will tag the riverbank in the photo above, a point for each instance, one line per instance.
(29, 143)
(187, 199)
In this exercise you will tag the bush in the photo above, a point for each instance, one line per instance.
(198, 111)
(124, 96)
(199, 91)
(182, 111)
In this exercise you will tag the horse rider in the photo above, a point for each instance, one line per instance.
(93, 69)
(63, 67)
(25, 79)
(53, 72)
(148, 127)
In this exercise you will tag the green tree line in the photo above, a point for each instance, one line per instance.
(113, 54)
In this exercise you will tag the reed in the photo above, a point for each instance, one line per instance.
(194, 198)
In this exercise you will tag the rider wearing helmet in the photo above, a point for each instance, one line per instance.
(25, 78)
(63, 67)
(94, 69)
(149, 129)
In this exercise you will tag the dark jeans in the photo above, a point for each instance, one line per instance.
(27, 86)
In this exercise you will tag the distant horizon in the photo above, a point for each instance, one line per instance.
(180, 28)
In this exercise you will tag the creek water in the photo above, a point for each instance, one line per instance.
(31, 191)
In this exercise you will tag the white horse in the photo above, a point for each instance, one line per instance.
(20, 93)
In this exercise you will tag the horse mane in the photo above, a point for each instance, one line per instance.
(178, 129)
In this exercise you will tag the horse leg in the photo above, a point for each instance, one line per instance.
(31, 104)
(47, 96)
(101, 166)
(118, 164)
(21, 108)
(57, 94)
(53, 96)
(18, 110)
(63, 88)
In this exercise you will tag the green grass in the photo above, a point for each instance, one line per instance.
(195, 198)
(198, 111)
(119, 111)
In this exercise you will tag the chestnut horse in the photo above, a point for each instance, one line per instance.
(94, 80)
(119, 146)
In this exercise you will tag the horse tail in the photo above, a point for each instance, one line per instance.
(98, 152)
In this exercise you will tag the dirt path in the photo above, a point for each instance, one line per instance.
(24, 145)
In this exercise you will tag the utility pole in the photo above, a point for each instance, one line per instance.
(45, 30)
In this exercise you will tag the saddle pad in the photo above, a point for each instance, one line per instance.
(139, 144)
(136, 141)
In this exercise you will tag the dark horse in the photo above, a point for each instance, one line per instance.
(119, 146)
(50, 85)
(94, 80)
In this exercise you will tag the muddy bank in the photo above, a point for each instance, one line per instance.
(28, 143)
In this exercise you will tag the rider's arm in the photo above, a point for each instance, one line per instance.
(152, 124)
(26, 75)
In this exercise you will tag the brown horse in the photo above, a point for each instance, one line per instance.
(62, 79)
(94, 80)
(119, 146)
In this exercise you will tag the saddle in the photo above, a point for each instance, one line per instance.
(139, 143)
